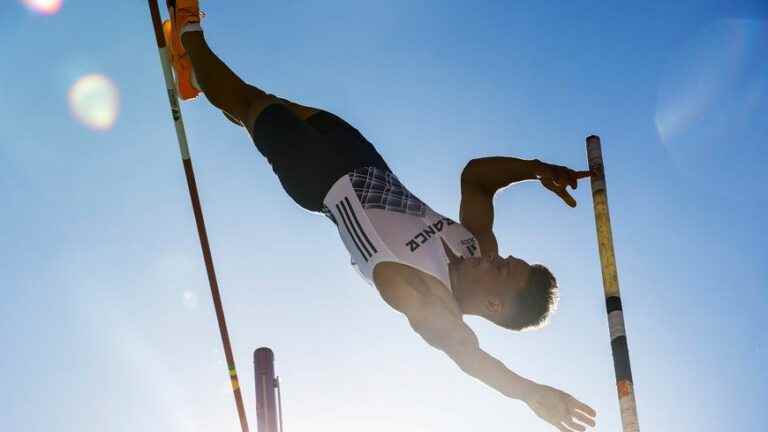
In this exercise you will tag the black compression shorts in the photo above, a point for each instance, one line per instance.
(310, 155)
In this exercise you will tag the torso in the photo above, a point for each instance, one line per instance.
(393, 237)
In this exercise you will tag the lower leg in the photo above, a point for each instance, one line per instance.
(225, 90)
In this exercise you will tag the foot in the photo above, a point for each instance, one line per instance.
(182, 12)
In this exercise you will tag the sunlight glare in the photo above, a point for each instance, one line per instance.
(44, 7)
(710, 91)
(190, 300)
(94, 100)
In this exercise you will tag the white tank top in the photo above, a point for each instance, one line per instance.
(379, 220)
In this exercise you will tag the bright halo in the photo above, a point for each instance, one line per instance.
(94, 101)
(190, 300)
(712, 100)
(45, 7)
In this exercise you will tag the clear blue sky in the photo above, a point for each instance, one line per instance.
(106, 317)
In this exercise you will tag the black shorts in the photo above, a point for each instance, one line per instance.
(310, 155)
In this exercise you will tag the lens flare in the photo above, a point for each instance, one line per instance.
(190, 300)
(44, 7)
(94, 101)
(711, 101)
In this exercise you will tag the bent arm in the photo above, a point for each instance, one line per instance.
(480, 180)
(452, 336)
(493, 173)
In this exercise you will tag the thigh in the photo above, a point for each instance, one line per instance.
(301, 157)
(309, 155)
(259, 100)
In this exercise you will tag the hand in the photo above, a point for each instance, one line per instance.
(560, 409)
(557, 178)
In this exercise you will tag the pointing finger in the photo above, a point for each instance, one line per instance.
(583, 174)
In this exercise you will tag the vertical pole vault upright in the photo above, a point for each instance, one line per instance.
(611, 286)
(264, 373)
(197, 208)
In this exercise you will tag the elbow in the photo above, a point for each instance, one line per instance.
(471, 170)
(475, 178)
(473, 174)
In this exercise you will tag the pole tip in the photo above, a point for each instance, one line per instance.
(592, 139)
(263, 354)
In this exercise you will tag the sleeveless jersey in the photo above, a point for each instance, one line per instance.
(379, 220)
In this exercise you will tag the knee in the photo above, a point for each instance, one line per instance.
(254, 106)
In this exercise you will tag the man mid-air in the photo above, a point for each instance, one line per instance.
(426, 266)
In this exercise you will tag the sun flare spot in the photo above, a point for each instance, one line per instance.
(94, 101)
(711, 99)
(190, 300)
(44, 7)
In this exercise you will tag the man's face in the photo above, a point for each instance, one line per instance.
(494, 279)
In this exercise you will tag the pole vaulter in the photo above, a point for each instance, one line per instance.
(430, 268)
(178, 121)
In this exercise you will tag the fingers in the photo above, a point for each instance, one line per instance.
(581, 412)
(583, 174)
(584, 419)
(581, 406)
(562, 193)
(558, 180)
(564, 178)
(574, 426)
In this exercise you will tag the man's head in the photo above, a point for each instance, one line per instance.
(507, 291)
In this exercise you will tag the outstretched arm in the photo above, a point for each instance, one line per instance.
(439, 322)
(451, 335)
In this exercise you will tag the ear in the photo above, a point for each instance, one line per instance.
(493, 305)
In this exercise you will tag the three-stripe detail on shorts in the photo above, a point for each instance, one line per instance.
(355, 229)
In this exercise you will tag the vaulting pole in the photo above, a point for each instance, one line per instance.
(624, 383)
(193, 195)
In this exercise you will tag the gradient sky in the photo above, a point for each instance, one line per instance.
(106, 318)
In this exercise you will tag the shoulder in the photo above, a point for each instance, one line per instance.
(399, 286)
(432, 312)
(411, 291)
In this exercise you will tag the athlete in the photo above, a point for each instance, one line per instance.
(424, 265)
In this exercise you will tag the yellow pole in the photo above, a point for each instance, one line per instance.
(619, 347)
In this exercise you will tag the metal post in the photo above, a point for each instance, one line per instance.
(197, 208)
(624, 383)
(264, 371)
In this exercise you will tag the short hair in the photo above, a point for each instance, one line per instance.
(534, 305)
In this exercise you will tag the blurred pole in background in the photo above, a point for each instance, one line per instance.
(266, 408)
